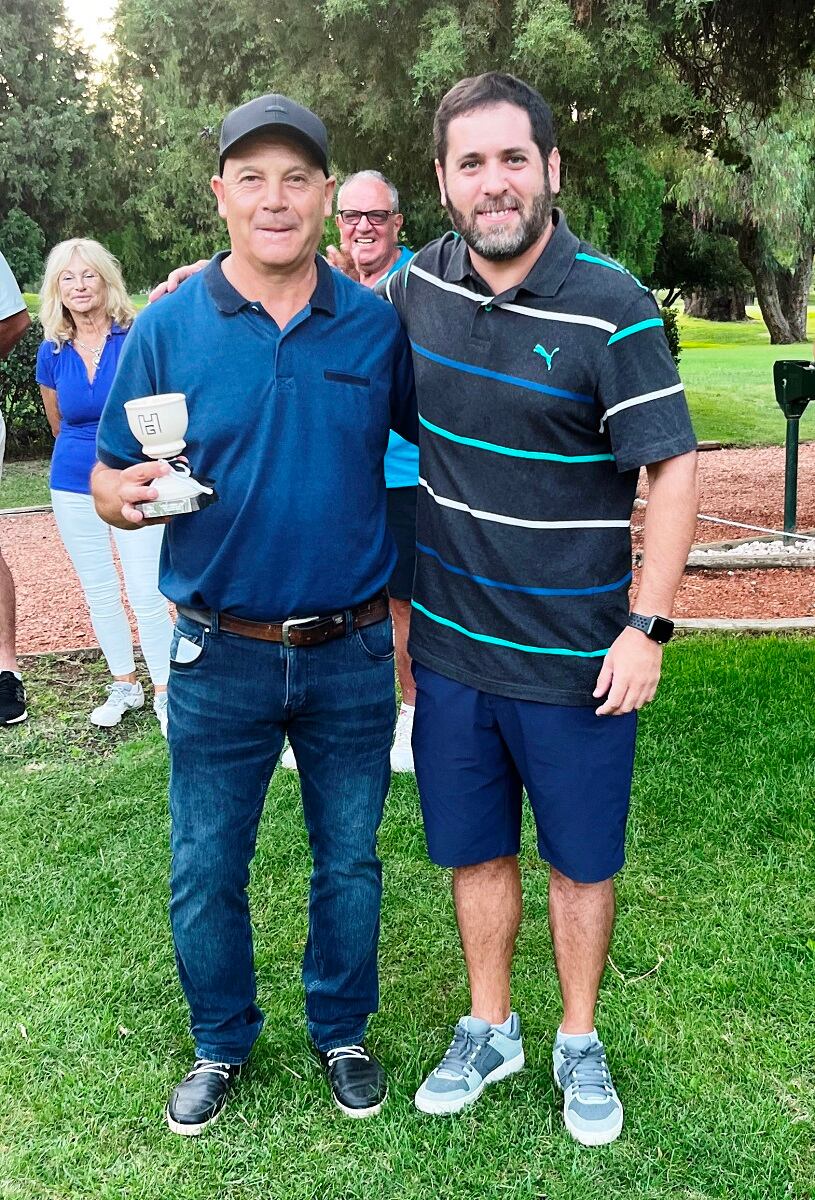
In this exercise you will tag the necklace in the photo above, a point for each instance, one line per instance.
(94, 351)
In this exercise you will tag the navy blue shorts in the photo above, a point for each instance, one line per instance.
(475, 752)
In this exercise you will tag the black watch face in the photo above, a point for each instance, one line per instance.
(661, 630)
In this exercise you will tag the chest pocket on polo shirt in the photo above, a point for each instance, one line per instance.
(351, 409)
(360, 381)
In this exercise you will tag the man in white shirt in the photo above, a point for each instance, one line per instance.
(14, 321)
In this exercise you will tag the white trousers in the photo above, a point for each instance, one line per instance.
(87, 539)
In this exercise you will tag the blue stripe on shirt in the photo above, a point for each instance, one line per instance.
(527, 591)
(469, 369)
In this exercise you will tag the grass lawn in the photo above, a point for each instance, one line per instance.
(713, 1052)
(727, 370)
(32, 300)
(24, 484)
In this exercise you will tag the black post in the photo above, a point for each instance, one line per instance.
(794, 388)
(791, 476)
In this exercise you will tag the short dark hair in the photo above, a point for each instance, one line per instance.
(483, 91)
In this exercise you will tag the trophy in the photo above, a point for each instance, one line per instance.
(159, 424)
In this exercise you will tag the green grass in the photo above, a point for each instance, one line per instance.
(32, 300)
(728, 374)
(713, 1053)
(24, 484)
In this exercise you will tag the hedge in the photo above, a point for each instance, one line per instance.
(27, 432)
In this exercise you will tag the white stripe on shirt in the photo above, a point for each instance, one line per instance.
(541, 314)
(643, 399)
(501, 519)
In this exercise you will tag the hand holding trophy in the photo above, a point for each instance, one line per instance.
(159, 423)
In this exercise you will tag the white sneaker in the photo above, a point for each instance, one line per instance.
(160, 709)
(121, 698)
(287, 759)
(401, 751)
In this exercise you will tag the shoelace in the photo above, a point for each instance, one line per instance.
(204, 1067)
(588, 1072)
(340, 1052)
(461, 1053)
(118, 692)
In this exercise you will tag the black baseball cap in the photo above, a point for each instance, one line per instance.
(275, 113)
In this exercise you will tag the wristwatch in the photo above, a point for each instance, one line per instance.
(658, 629)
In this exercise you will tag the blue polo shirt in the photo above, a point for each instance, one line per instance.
(290, 425)
(81, 401)
(402, 458)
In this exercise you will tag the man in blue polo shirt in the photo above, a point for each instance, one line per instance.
(294, 376)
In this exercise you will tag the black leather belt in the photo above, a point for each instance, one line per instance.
(297, 631)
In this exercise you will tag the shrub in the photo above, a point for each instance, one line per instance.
(672, 333)
(27, 430)
(22, 243)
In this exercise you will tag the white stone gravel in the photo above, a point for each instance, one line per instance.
(760, 549)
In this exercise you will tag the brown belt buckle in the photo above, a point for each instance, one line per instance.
(292, 621)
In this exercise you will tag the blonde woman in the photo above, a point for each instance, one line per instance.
(86, 313)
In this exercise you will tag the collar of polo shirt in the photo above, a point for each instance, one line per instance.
(229, 300)
(546, 276)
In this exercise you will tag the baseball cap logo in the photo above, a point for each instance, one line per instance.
(275, 108)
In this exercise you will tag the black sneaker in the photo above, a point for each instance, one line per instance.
(201, 1096)
(359, 1084)
(12, 699)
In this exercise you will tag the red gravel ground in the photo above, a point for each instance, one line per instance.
(745, 485)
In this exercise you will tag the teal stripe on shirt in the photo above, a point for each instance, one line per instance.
(538, 455)
(624, 333)
(493, 641)
(612, 266)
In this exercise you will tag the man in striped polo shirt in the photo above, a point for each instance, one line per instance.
(544, 383)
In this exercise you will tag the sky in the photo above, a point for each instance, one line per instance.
(91, 19)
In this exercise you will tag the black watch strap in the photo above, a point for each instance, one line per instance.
(658, 629)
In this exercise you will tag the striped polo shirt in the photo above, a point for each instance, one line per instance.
(537, 407)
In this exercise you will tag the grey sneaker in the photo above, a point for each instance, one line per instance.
(591, 1107)
(477, 1055)
(122, 698)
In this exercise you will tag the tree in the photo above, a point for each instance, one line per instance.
(701, 266)
(45, 126)
(376, 70)
(764, 197)
(21, 244)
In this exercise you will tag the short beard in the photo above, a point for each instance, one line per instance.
(500, 245)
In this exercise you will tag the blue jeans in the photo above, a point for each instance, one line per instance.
(231, 702)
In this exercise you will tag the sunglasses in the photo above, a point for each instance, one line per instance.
(376, 216)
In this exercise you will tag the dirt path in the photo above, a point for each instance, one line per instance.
(747, 486)
(744, 485)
